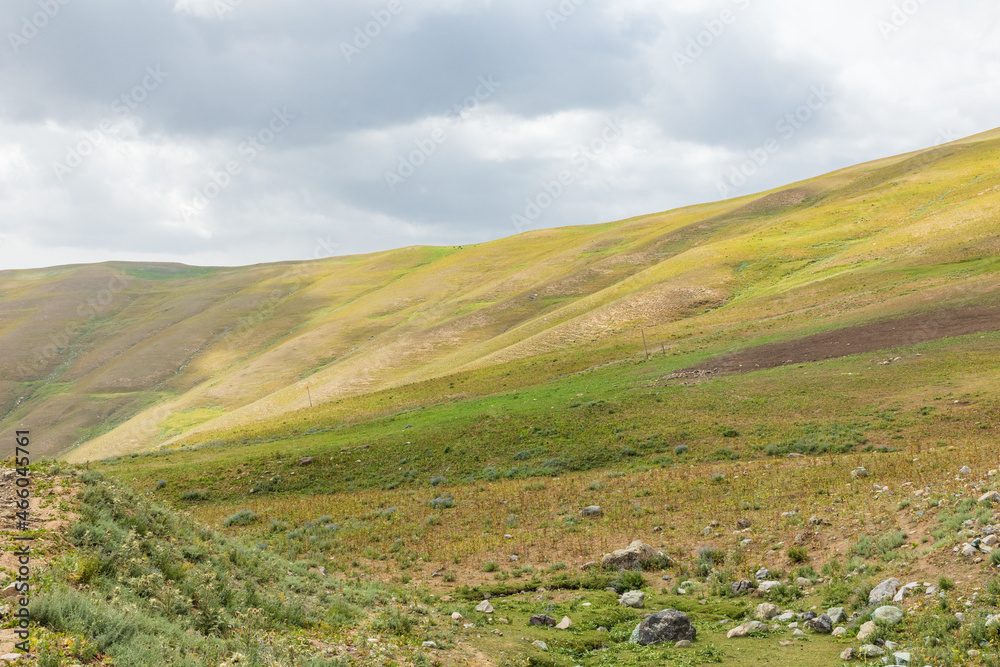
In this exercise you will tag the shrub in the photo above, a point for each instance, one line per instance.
(680, 450)
(194, 496)
(241, 518)
(442, 502)
(798, 555)
(490, 566)
(436, 481)
(160, 483)
(945, 584)
(628, 580)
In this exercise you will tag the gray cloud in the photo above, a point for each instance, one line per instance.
(81, 84)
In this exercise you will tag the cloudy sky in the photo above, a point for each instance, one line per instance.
(243, 131)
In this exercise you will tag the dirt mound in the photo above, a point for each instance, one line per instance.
(853, 340)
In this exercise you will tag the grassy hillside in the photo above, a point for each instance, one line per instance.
(118, 358)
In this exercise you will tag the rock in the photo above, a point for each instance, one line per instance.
(836, 614)
(11, 658)
(786, 617)
(484, 607)
(762, 573)
(888, 615)
(992, 620)
(542, 619)
(668, 625)
(766, 586)
(305, 460)
(932, 590)
(684, 643)
(890, 646)
(839, 632)
(593, 510)
(457, 617)
(743, 524)
(738, 631)
(821, 624)
(798, 633)
(993, 497)
(766, 611)
(866, 630)
(632, 557)
(870, 651)
(429, 644)
(848, 654)
(973, 653)
(540, 645)
(991, 540)
(902, 658)
(633, 599)
(10, 591)
(969, 551)
(966, 470)
(904, 592)
(590, 565)
(859, 473)
(564, 624)
(808, 615)
(802, 582)
(742, 587)
(447, 598)
(884, 591)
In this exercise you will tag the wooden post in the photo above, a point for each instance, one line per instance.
(663, 349)
(643, 330)
(309, 394)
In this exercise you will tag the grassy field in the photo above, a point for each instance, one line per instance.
(427, 424)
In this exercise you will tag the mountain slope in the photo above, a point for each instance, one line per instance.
(114, 358)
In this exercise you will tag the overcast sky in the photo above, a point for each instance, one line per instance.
(242, 131)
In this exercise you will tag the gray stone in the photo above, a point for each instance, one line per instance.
(429, 644)
(802, 582)
(902, 658)
(884, 591)
(905, 591)
(484, 607)
(633, 599)
(836, 614)
(564, 624)
(866, 630)
(969, 551)
(763, 573)
(786, 617)
(593, 510)
(870, 651)
(766, 586)
(668, 625)
(859, 473)
(633, 557)
(839, 632)
(684, 643)
(305, 460)
(821, 624)
(542, 619)
(766, 611)
(742, 587)
(888, 615)
(848, 654)
(966, 470)
(992, 497)
(540, 645)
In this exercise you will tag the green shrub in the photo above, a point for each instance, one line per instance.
(798, 555)
(628, 580)
(241, 518)
(194, 496)
(490, 566)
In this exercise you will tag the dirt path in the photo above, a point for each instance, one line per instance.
(852, 340)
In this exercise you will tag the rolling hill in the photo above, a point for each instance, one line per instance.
(118, 358)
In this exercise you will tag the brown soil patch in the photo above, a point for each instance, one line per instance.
(860, 339)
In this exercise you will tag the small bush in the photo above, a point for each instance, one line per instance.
(194, 496)
(160, 483)
(945, 584)
(437, 481)
(443, 502)
(798, 555)
(680, 450)
(628, 580)
(490, 566)
(241, 518)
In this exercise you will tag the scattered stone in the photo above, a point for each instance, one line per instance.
(866, 630)
(870, 651)
(447, 598)
(766, 586)
(742, 587)
(766, 611)
(540, 645)
(485, 607)
(590, 565)
(839, 632)
(743, 524)
(429, 644)
(633, 557)
(542, 619)
(802, 582)
(11, 658)
(890, 646)
(668, 625)
(821, 624)
(969, 551)
(993, 497)
(564, 624)
(786, 617)
(808, 616)
(848, 654)
(457, 617)
(902, 658)
(633, 599)
(763, 573)
(836, 614)
(684, 643)
(973, 653)
(905, 591)
(10, 591)
(738, 631)
(859, 473)
(603, 629)
(888, 615)
(884, 591)
(966, 470)
(593, 510)
(305, 460)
